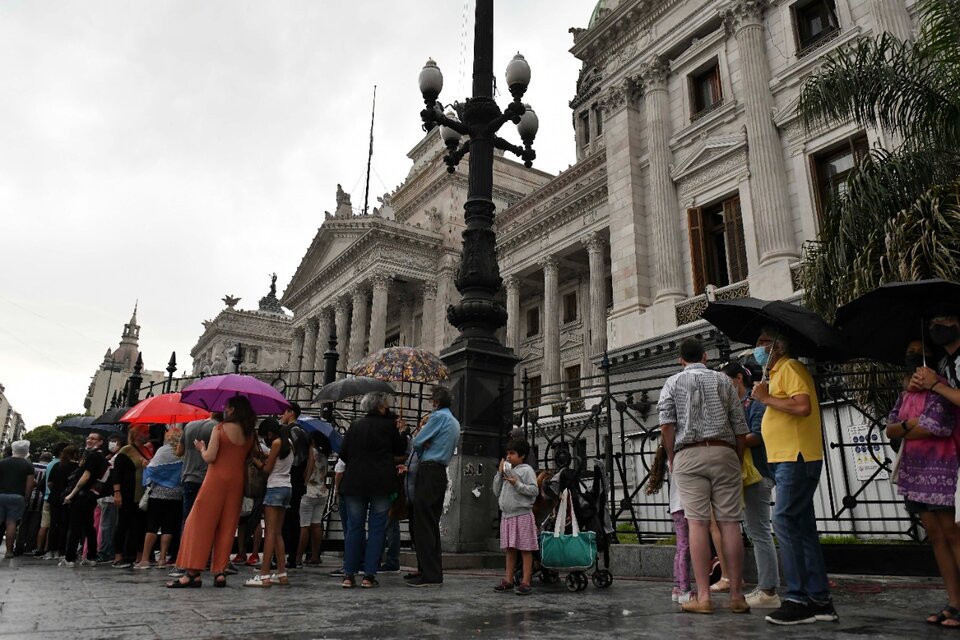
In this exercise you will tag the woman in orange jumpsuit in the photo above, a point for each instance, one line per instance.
(212, 522)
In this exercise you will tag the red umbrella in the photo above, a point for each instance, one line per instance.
(163, 409)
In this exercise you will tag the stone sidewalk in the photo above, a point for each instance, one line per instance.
(41, 601)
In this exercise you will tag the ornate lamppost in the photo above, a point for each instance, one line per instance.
(479, 364)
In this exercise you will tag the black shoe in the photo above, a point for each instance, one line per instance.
(824, 612)
(413, 575)
(791, 613)
(421, 583)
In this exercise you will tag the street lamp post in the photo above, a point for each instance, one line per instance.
(479, 364)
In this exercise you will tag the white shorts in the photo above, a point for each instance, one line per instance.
(311, 510)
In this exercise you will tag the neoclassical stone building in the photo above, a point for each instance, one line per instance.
(694, 178)
(264, 333)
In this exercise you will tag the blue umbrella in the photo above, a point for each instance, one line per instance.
(324, 427)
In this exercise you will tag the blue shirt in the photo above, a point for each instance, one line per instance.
(754, 412)
(438, 438)
(46, 490)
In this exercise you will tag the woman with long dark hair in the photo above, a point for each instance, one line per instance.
(59, 512)
(212, 522)
(276, 500)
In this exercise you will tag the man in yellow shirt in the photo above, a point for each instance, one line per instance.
(793, 436)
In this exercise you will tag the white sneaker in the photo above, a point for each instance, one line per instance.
(689, 596)
(758, 599)
(65, 563)
(86, 562)
(50, 555)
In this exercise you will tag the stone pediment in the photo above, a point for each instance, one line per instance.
(333, 237)
(786, 115)
(707, 152)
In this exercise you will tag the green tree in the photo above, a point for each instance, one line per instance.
(43, 438)
(898, 216)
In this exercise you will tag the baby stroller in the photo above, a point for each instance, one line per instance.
(590, 509)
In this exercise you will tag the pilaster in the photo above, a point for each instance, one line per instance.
(358, 326)
(551, 327)
(378, 311)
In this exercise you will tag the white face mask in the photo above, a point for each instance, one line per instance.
(114, 446)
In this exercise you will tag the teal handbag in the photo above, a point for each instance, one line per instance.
(575, 551)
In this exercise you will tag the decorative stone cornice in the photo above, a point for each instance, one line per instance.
(618, 28)
(744, 13)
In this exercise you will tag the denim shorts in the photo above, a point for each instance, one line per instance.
(278, 497)
(12, 506)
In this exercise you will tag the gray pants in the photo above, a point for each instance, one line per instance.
(756, 521)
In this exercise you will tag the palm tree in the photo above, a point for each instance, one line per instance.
(898, 215)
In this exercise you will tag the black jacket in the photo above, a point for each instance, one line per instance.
(368, 449)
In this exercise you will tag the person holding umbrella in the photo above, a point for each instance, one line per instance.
(793, 436)
(945, 333)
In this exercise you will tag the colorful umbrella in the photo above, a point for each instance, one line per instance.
(167, 408)
(350, 388)
(402, 364)
(212, 394)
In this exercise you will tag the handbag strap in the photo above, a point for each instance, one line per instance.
(566, 502)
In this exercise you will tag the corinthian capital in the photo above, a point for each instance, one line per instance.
(744, 13)
(594, 243)
(653, 74)
(549, 264)
(381, 280)
(511, 282)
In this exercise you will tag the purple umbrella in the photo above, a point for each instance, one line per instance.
(212, 394)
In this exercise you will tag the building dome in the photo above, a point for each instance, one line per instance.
(598, 11)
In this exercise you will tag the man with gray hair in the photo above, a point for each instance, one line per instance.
(17, 480)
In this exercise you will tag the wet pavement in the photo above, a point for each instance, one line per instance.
(39, 600)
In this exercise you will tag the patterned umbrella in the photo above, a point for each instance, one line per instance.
(402, 364)
(165, 408)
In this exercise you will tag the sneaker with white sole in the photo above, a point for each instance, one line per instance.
(65, 563)
(824, 611)
(791, 613)
(760, 599)
(50, 555)
(689, 596)
(87, 562)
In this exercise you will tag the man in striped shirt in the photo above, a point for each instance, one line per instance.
(704, 432)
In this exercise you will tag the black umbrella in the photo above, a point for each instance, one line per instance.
(351, 387)
(82, 425)
(742, 319)
(879, 324)
(112, 416)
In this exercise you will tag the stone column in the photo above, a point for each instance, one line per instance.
(428, 330)
(406, 320)
(310, 331)
(447, 295)
(892, 16)
(551, 328)
(629, 228)
(296, 353)
(773, 218)
(665, 211)
(342, 320)
(358, 326)
(512, 284)
(598, 298)
(378, 311)
(323, 337)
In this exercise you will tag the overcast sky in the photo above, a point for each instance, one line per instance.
(174, 152)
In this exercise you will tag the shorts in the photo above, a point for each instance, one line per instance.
(311, 510)
(913, 506)
(45, 516)
(278, 497)
(164, 516)
(709, 482)
(12, 507)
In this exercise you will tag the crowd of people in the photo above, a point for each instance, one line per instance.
(181, 499)
(730, 437)
(730, 440)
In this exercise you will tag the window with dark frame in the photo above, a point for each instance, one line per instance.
(832, 167)
(533, 390)
(717, 245)
(814, 22)
(705, 89)
(533, 322)
(598, 119)
(585, 128)
(570, 307)
(571, 381)
(251, 355)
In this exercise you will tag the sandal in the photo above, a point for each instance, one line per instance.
(193, 582)
(220, 580)
(945, 613)
(369, 582)
(258, 580)
(720, 586)
(504, 586)
(281, 579)
(348, 581)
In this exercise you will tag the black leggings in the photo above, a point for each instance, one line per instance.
(59, 523)
(131, 528)
(81, 526)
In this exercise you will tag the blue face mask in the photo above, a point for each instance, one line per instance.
(761, 355)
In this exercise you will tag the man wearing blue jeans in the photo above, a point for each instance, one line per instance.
(793, 437)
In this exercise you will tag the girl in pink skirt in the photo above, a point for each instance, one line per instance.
(516, 486)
